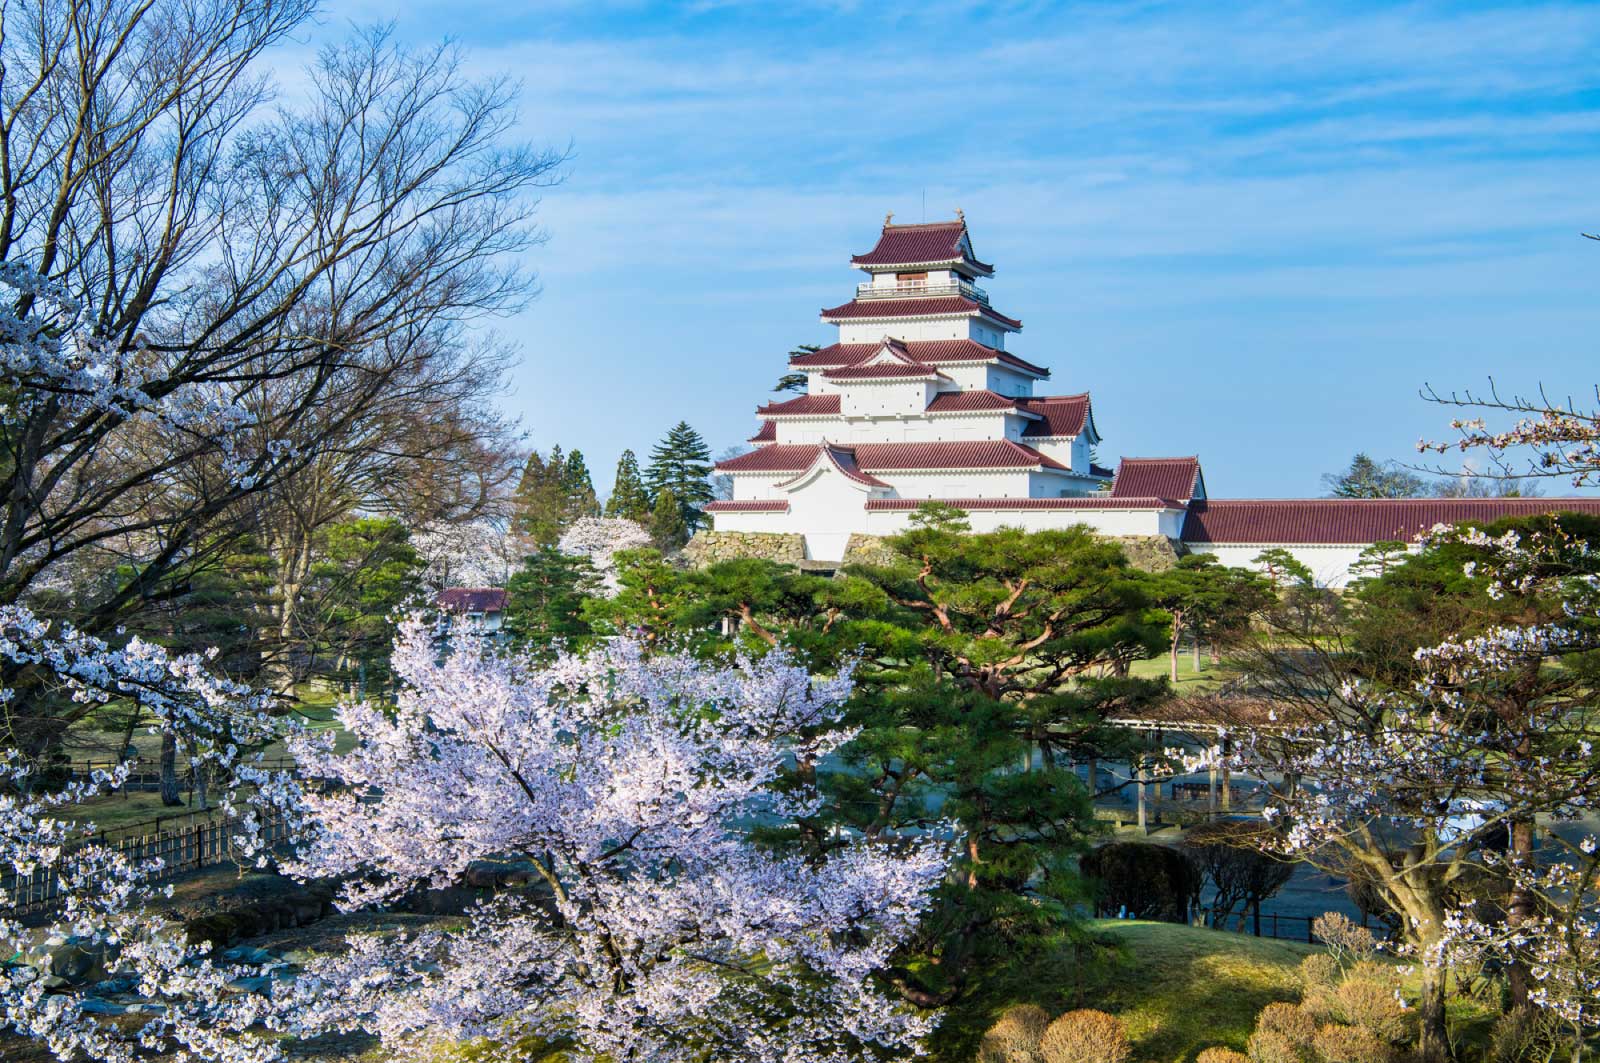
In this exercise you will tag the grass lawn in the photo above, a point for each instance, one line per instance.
(1178, 989)
(1189, 681)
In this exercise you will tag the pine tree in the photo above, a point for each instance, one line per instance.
(541, 498)
(629, 498)
(579, 489)
(682, 463)
(667, 526)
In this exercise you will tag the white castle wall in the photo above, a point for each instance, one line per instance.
(1329, 562)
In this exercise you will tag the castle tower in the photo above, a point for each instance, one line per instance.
(918, 399)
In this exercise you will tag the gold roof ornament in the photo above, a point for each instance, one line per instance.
(960, 217)
(887, 218)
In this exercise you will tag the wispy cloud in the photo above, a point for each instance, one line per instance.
(1210, 214)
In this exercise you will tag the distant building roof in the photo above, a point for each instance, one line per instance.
(1353, 521)
(891, 457)
(1081, 502)
(1160, 477)
(938, 306)
(768, 433)
(843, 459)
(929, 244)
(472, 599)
(974, 401)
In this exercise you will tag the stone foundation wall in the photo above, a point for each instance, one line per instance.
(1150, 553)
(709, 547)
(866, 550)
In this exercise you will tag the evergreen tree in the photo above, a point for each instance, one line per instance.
(629, 500)
(545, 600)
(667, 526)
(682, 463)
(581, 500)
(1366, 478)
(541, 497)
(796, 381)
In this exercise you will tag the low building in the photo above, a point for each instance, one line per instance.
(480, 609)
(919, 400)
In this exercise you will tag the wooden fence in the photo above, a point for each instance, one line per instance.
(182, 844)
(145, 776)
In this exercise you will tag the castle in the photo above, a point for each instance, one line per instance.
(919, 400)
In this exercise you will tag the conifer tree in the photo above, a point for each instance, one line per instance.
(579, 489)
(682, 463)
(629, 500)
(667, 526)
(541, 497)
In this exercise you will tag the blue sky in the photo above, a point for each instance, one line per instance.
(1252, 231)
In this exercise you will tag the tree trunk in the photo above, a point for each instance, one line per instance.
(171, 795)
(1195, 650)
(1519, 909)
(1433, 1040)
(1172, 653)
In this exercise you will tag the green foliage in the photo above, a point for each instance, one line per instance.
(545, 601)
(668, 528)
(554, 491)
(1149, 880)
(1366, 478)
(1208, 600)
(365, 569)
(1285, 571)
(629, 499)
(681, 463)
(577, 489)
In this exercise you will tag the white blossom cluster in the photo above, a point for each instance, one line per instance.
(48, 354)
(628, 785)
(104, 893)
(599, 539)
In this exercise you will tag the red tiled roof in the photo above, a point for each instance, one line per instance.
(914, 245)
(969, 401)
(754, 505)
(472, 599)
(890, 457)
(1087, 502)
(885, 371)
(886, 309)
(1064, 415)
(929, 352)
(1354, 520)
(1160, 477)
(843, 459)
(767, 434)
(803, 406)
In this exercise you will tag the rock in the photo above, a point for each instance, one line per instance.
(249, 985)
(246, 954)
(96, 1006)
(76, 960)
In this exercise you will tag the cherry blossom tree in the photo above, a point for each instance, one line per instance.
(105, 894)
(627, 783)
(1411, 779)
(599, 539)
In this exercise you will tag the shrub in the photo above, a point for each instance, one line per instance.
(1521, 1035)
(1373, 1007)
(1270, 1046)
(1085, 1036)
(1322, 1004)
(1218, 1054)
(1351, 1044)
(1289, 1020)
(1348, 941)
(1318, 969)
(1014, 1038)
(1151, 881)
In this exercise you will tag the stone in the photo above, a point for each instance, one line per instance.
(260, 985)
(709, 547)
(96, 1006)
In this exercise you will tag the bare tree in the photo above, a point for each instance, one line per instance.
(264, 276)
